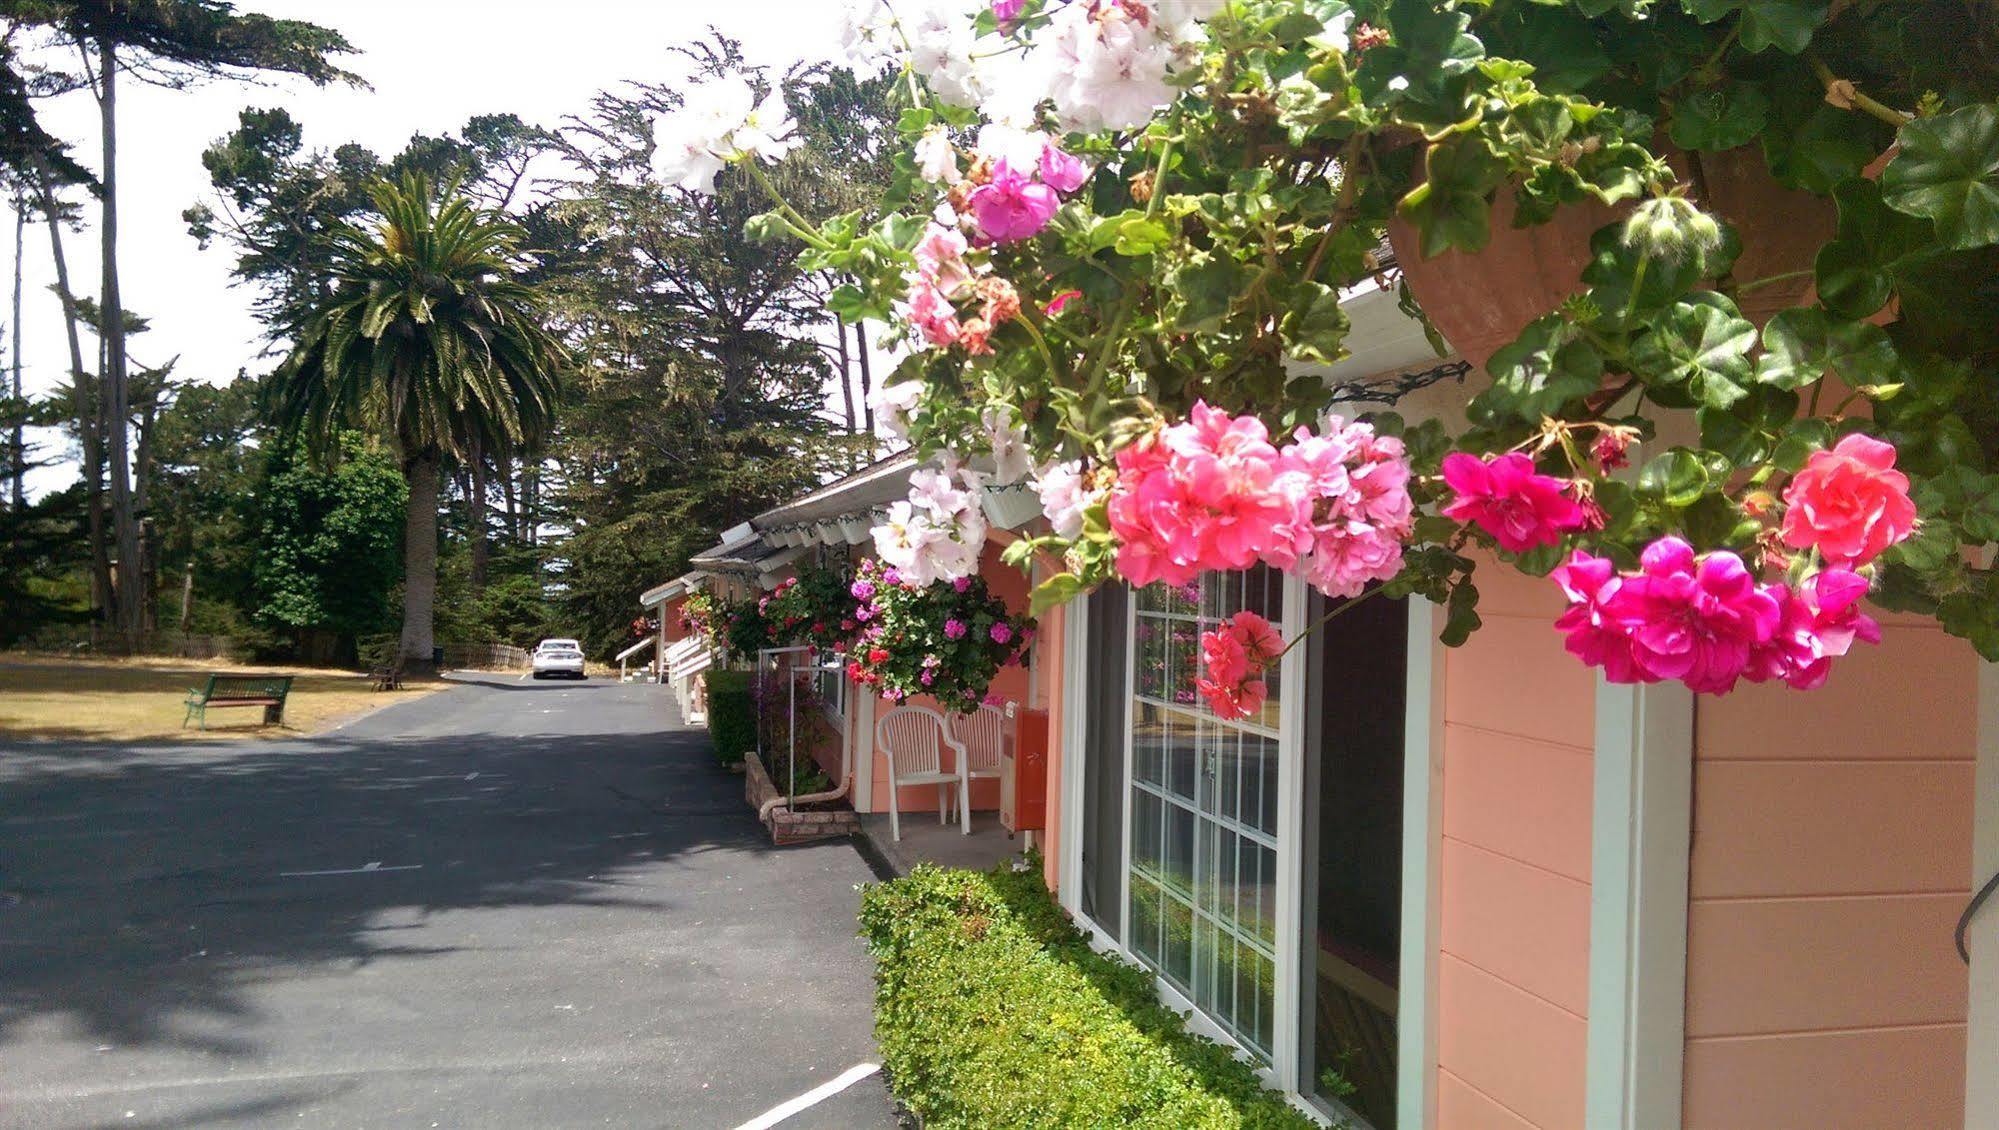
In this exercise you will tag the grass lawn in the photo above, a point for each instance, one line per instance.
(141, 698)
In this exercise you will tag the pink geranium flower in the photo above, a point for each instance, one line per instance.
(1012, 206)
(1234, 658)
(1697, 619)
(954, 629)
(932, 314)
(1508, 499)
(1061, 171)
(1849, 503)
(1597, 633)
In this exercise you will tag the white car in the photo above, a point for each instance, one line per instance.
(557, 659)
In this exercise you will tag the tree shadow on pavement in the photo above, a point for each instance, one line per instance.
(155, 888)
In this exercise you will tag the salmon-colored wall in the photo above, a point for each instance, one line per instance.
(1011, 586)
(1831, 835)
(1513, 972)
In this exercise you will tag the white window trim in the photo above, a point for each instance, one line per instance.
(1981, 1091)
(1423, 756)
(1422, 870)
(1075, 733)
(1641, 835)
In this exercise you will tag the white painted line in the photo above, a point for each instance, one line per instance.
(811, 1098)
(363, 870)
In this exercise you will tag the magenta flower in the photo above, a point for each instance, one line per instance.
(1508, 499)
(1007, 11)
(1820, 622)
(1001, 632)
(1012, 207)
(862, 590)
(1696, 619)
(891, 576)
(1597, 635)
(961, 584)
(954, 629)
(1061, 171)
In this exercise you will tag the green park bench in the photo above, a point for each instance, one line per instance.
(267, 691)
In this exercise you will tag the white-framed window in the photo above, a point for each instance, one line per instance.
(1260, 867)
(1202, 878)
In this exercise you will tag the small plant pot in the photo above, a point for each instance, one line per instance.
(856, 530)
(1011, 507)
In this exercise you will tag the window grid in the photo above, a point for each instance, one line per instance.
(1226, 901)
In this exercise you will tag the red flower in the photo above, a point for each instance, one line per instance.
(877, 655)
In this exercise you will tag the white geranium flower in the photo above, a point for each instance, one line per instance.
(1011, 458)
(937, 158)
(867, 34)
(1106, 70)
(691, 145)
(893, 405)
(768, 133)
(932, 491)
(1020, 148)
(941, 49)
(720, 121)
(1064, 496)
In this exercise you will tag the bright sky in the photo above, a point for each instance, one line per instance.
(431, 64)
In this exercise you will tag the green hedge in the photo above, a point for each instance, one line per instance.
(732, 718)
(993, 1011)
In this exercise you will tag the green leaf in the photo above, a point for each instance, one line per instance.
(1856, 271)
(1140, 236)
(1548, 367)
(1804, 343)
(1784, 24)
(1206, 285)
(1799, 439)
(1315, 328)
(1701, 343)
(1948, 172)
(1461, 617)
(1719, 117)
(1677, 477)
(1058, 589)
(1450, 207)
(1748, 430)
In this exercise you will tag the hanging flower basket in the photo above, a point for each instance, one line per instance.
(1482, 300)
(947, 640)
(1010, 507)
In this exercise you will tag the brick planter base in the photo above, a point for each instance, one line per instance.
(787, 827)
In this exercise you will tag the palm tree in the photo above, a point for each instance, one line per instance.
(427, 338)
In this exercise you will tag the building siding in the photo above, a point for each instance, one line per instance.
(1831, 832)
(1513, 976)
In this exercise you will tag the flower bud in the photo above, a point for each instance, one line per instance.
(1672, 230)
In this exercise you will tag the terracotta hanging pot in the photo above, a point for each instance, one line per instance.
(1481, 301)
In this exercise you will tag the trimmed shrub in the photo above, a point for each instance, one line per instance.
(732, 715)
(992, 1010)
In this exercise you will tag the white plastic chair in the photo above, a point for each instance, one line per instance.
(914, 738)
(980, 737)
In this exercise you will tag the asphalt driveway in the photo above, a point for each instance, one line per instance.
(511, 904)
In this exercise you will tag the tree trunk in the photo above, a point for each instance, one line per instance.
(867, 378)
(187, 599)
(511, 500)
(419, 564)
(142, 478)
(124, 519)
(87, 416)
(475, 520)
(18, 446)
(846, 375)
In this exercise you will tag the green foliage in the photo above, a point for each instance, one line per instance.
(428, 337)
(816, 606)
(732, 714)
(992, 1010)
(947, 639)
(1208, 241)
(329, 541)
